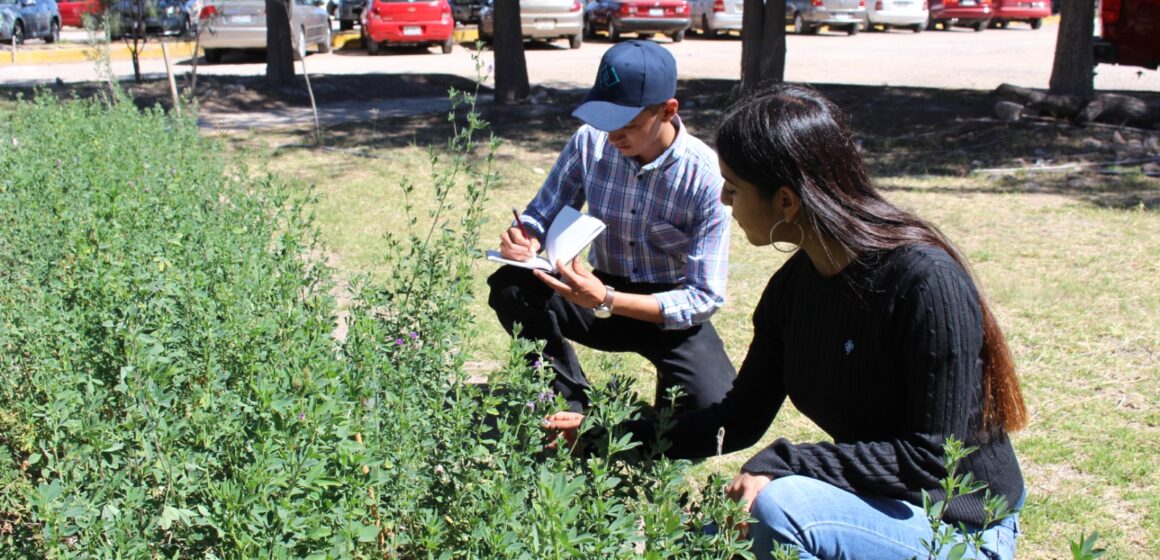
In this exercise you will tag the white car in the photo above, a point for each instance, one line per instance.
(540, 20)
(910, 14)
(711, 17)
(227, 25)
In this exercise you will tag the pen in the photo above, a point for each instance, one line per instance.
(521, 224)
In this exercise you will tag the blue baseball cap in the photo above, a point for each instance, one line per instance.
(633, 75)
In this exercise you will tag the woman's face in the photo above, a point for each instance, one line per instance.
(754, 213)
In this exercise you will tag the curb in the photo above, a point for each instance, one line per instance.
(48, 54)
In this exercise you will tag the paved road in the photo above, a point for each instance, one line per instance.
(956, 59)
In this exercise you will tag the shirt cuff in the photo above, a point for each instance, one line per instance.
(675, 307)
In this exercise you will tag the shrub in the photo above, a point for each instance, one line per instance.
(171, 386)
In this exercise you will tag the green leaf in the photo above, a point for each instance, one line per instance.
(368, 533)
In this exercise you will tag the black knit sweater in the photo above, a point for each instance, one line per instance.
(884, 357)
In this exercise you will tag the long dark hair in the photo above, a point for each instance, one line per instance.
(791, 135)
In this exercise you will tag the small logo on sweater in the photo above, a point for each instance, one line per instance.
(849, 346)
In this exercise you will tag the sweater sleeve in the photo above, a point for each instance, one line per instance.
(936, 335)
(746, 411)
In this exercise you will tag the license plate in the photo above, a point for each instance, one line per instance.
(543, 24)
(840, 15)
(902, 4)
(656, 12)
(412, 30)
(967, 3)
(241, 19)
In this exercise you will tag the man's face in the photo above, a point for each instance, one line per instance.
(641, 136)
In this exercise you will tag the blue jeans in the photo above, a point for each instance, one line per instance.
(823, 521)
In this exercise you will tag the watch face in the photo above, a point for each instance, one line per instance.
(602, 312)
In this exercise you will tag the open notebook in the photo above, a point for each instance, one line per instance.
(569, 234)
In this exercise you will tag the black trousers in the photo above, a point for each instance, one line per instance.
(692, 358)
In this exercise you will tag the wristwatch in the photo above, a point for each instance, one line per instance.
(604, 310)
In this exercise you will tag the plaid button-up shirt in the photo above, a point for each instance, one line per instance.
(666, 223)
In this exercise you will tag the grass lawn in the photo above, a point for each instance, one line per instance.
(1069, 260)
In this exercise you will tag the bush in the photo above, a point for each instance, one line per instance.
(171, 386)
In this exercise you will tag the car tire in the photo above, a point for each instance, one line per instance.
(213, 56)
(1036, 23)
(613, 32)
(918, 28)
(707, 29)
(327, 44)
(574, 41)
(371, 45)
(678, 36)
(589, 29)
(448, 45)
(980, 25)
(946, 25)
(931, 24)
(799, 24)
(53, 33)
(853, 29)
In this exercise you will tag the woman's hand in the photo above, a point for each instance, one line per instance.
(513, 245)
(745, 488)
(566, 424)
(579, 286)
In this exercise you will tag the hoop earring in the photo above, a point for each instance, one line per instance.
(801, 232)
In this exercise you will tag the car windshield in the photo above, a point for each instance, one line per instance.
(9, 2)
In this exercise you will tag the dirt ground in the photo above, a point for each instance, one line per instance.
(903, 131)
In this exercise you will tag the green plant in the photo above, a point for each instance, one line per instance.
(1085, 547)
(959, 540)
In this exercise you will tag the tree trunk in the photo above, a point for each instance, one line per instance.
(762, 44)
(1073, 69)
(511, 68)
(279, 47)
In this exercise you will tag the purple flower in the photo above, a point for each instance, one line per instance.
(414, 335)
(539, 364)
(531, 405)
(546, 396)
(399, 341)
(301, 415)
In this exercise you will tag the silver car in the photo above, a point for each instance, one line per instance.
(911, 14)
(21, 19)
(241, 25)
(807, 16)
(714, 16)
(545, 20)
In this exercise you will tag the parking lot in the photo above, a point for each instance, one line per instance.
(960, 58)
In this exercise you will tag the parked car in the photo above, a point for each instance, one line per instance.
(714, 16)
(408, 22)
(1030, 11)
(807, 16)
(72, 12)
(23, 19)
(975, 14)
(911, 14)
(1128, 33)
(158, 17)
(228, 25)
(544, 20)
(643, 17)
(350, 12)
(466, 11)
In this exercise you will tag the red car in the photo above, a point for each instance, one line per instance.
(975, 14)
(72, 11)
(407, 22)
(1030, 11)
(643, 17)
(1128, 33)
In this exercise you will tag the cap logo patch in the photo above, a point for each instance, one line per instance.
(608, 77)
